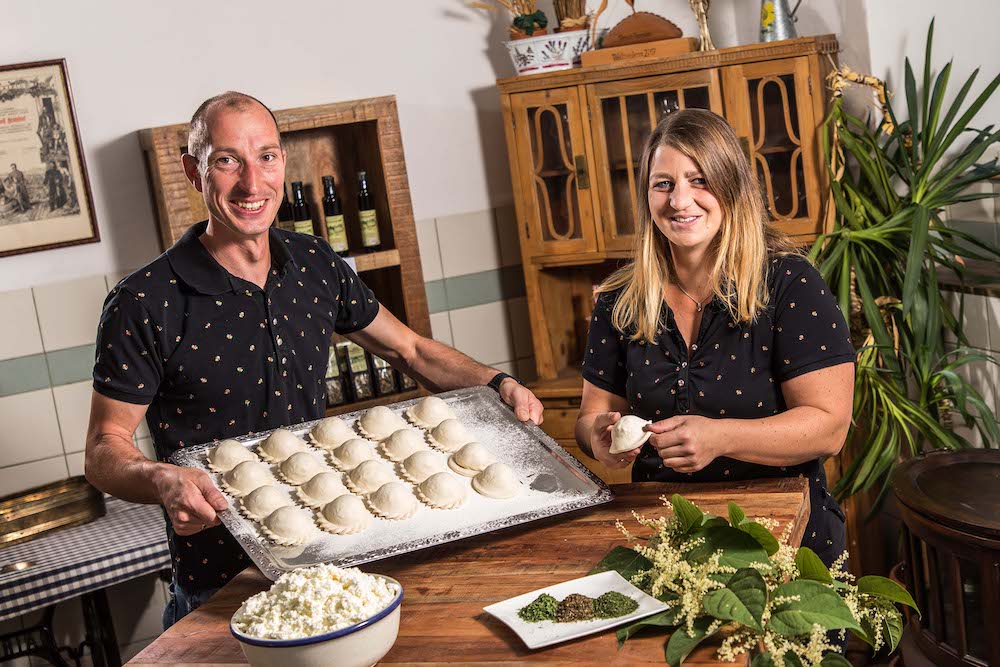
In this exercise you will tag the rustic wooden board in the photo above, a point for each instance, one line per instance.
(446, 588)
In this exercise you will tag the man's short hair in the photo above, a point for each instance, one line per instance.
(198, 136)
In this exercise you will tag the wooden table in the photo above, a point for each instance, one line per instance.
(445, 588)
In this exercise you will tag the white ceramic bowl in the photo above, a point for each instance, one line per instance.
(360, 645)
(548, 53)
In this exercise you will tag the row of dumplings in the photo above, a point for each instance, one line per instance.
(320, 488)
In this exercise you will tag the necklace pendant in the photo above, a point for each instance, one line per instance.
(699, 307)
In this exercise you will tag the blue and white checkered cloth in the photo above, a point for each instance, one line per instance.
(128, 542)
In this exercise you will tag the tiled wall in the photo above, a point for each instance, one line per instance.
(475, 291)
(475, 288)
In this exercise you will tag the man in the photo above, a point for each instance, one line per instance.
(54, 181)
(228, 333)
(20, 183)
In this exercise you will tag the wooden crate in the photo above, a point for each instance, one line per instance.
(337, 139)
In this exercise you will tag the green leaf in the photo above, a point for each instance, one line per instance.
(743, 600)
(811, 567)
(915, 257)
(792, 660)
(665, 619)
(736, 514)
(763, 536)
(687, 512)
(680, 644)
(892, 629)
(816, 604)
(834, 660)
(739, 549)
(624, 561)
(887, 589)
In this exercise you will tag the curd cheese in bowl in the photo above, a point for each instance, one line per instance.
(321, 615)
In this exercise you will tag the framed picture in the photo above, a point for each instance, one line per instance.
(45, 198)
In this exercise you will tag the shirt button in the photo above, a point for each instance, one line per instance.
(695, 346)
(278, 339)
(684, 364)
(680, 383)
(274, 321)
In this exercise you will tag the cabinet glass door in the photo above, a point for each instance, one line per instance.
(624, 113)
(770, 106)
(553, 172)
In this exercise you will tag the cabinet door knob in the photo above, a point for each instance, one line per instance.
(582, 177)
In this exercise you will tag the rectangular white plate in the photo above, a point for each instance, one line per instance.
(546, 633)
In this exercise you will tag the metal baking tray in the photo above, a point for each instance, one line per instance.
(554, 482)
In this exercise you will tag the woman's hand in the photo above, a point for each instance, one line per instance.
(190, 498)
(600, 442)
(686, 443)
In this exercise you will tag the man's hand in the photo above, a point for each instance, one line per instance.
(190, 498)
(686, 443)
(526, 406)
(600, 442)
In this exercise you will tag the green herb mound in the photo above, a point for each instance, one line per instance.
(614, 604)
(542, 609)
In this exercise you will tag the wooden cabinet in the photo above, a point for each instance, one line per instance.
(574, 141)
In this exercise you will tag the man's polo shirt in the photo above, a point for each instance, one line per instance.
(214, 356)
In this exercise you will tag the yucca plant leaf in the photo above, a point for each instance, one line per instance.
(915, 257)
(935, 101)
(912, 106)
(927, 77)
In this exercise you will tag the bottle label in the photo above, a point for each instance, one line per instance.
(332, 367)
(356, 355)
(369, 228)
(337, 232)
(304, 226)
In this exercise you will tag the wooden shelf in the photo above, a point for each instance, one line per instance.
(549, 173)
(371, 261)
(383, 400)
(781, 148)
(555, 261)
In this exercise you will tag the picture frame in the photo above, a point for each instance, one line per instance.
(45, 196)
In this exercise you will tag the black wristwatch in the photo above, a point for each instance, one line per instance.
(494, 384)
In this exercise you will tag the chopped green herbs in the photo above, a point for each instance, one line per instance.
(613, 604)
(576, 607)
(542, 609)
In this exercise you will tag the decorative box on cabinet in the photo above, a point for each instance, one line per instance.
(574, 141)
(337, 139)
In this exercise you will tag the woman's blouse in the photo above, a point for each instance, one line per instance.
(733, 371)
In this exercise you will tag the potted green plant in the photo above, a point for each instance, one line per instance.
(890, 184)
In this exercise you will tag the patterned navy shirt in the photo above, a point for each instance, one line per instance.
(215, 356)
(733, 371)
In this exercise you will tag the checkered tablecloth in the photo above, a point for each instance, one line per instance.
(128, 542)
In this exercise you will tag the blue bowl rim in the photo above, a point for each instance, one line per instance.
(315, 639)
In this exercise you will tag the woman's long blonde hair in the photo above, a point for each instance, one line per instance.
(740, 250)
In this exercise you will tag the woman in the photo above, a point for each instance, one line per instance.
(717, 332)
